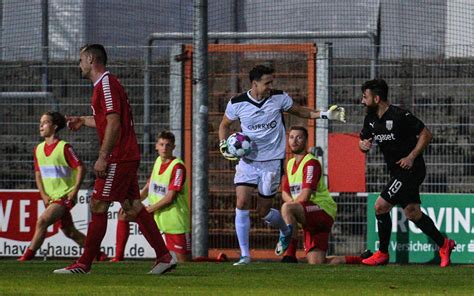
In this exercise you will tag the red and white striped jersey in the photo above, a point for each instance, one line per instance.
(108, 97)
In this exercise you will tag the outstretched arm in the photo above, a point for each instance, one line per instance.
(333, 113)
(76, 122)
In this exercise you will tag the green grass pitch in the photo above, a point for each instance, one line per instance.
(258, 278)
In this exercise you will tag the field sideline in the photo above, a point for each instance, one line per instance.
(259, 278)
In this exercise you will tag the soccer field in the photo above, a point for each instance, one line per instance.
(259, 278)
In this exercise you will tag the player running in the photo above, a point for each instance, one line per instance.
(402, 138)
(260, 112)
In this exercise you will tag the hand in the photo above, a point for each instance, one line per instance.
(225, 152)
(365, 144)
(149, 209)
(74, 123)
(334, 113)
(406, 163)
(100, 167)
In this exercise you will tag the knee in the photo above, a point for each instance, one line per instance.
(67, 232)
(413, 214)
(262, 211)
(379, 209)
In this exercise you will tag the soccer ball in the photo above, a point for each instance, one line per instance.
(239, 145)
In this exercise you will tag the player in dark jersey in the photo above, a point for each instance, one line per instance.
(402, 139)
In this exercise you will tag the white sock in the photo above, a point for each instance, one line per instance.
(242, 228)
(275, 220)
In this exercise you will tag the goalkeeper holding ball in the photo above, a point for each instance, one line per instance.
(260, 112)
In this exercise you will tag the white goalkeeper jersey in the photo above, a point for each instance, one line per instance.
(263, 122)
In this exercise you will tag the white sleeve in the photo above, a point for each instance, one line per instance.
(287, 102)
(230, 112)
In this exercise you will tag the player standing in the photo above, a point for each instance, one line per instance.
(260, 112)
(58, 173)
(307, 202)
(402, 138)
(117, 163)
(167, 192)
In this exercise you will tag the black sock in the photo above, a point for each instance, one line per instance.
(384, 224)
(427, 226)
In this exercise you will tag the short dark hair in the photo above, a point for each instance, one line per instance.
(378, 87)
(97, 51)
(167, 135)
(258, 71)
(300, 128)
(57, 119)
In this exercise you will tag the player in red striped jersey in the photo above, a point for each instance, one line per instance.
(117, 163)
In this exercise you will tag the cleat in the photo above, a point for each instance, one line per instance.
(283, 242)
(244, 260)
(366, 254)
(163, 265)
(222, 257)
(75, 268)
(378, 258)
(289, 259)
(27, 256)
(115, 259)
(102, 257)
(445, 252)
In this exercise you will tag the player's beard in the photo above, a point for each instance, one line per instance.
(371, 109)
(298, 150)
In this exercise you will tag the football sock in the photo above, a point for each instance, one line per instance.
(150, 231)
(384, 224)
(242, 228)
(123, 231)
(427, 226)
(95, 235)
(274, 219)
(353, 259)
(292, 247)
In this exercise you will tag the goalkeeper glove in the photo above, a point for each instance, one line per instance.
(334, 113)
(224, 151)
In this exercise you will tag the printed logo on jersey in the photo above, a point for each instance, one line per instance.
(372, 124)
(295, 189)
(389, 124)
(158, 189)
(258, 112)
(263, 126)
(384, 137)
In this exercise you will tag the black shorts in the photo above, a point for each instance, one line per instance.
(404, 188)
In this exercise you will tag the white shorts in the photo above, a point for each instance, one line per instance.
(264, 175)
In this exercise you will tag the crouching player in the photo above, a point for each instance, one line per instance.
(167, 193)
(307, 202)
(59, 174)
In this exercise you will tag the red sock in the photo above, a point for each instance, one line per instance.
(150, 230)
(123, 231)
(353, 260)
(95, 235)
(291, 251)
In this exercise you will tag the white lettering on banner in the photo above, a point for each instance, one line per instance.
(443, 219)
(5, 215)
(460, 220)
(24, 215)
